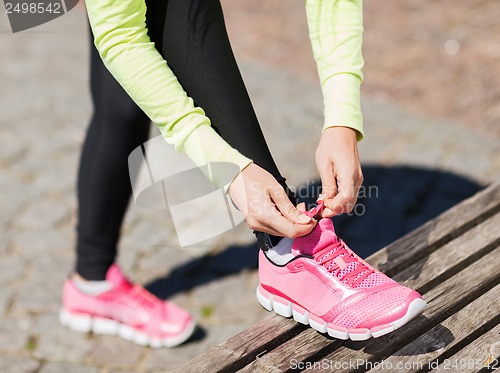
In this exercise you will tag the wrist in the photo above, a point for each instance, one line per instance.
(341, 133)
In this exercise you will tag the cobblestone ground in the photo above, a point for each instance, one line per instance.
(422, 151)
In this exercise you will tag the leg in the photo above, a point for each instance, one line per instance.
(117, 127)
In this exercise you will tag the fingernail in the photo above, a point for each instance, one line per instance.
(321, 197)
(304, 218)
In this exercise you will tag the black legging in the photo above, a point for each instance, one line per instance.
(192, 37)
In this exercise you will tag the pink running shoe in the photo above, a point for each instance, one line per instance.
(319, 281)
(128, 311)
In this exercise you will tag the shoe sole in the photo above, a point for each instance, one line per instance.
(288, 309)
(86, 323)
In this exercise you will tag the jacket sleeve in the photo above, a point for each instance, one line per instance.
(336, 30)
(120, 35)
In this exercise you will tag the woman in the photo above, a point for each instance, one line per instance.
(173, 58)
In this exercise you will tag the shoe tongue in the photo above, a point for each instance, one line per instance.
(116, 277)
(321, 236)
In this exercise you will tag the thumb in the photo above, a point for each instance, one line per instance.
(287, 209)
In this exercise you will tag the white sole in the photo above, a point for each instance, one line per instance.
(416, 307)
(86, 323)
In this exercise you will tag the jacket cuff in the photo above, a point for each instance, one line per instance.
(341, 93)
(206, 148)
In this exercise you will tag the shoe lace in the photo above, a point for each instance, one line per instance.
(337, 256)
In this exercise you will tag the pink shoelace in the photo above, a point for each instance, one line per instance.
(337, 256)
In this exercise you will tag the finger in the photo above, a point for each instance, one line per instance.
(271, 220)
(287, 209)
(285, 227)
(343, 202)
(301, 207)
(328, 182)
(290, 230)
(326, 212)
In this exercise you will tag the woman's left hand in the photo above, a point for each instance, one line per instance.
(338, 165)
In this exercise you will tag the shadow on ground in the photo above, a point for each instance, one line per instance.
(392, 202)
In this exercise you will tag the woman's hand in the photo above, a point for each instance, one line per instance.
(338, 165)
(266, 206)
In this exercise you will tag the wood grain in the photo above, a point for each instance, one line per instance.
(481, 350)
(437, 232)
(442, 264)
(244, 347)
(443, 301)
(454, 333)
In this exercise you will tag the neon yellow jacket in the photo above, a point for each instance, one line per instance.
(119, 27)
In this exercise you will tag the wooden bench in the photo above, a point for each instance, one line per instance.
(453, 261)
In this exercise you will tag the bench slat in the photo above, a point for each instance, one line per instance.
(290, 353)
(244, 347)
(451, 335)
(453, 255)
(437, 232)
(444, 300)
(482, 350)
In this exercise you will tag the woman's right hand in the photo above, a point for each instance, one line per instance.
(266, 205)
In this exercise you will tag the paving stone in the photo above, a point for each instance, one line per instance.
(222, 300)
(14, 334)
(241, 235)
(41, 292)
(160, 262)
(17, 191)
(5, 297)
(51, 180)
(35, 242)
(418, 153)
(166, 360)
(127, 258)
(152, 230)
(9, 153)
(42, 213)
(4, 244)
(56, 343)
(67, 368)
(113, 352)
(234, 259)
(18, 364)
(11, 268)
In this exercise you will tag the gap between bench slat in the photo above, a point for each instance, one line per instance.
(480, 350)
(453, 257)
(241, 349)
(451, 335)
(437, 232)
